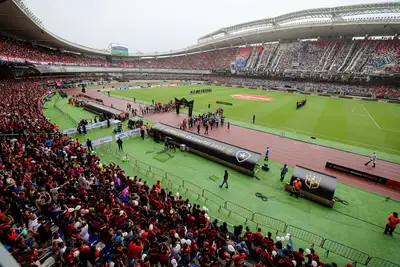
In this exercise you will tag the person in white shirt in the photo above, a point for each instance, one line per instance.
(33, 223)
(373, 160)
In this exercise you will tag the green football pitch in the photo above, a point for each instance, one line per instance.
(358, 224)
(355, 123)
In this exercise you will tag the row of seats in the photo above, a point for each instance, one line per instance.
(336, 88)
(361, 56)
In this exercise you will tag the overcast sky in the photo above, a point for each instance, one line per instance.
(157, 25)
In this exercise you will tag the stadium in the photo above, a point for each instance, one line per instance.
(111, 158)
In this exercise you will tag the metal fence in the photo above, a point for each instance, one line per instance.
(379, 262)
(190, 190)
(345, 251)
(66, 115)
(313, 239)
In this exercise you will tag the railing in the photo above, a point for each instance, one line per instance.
(345, 251)
(62, 112)
(189, 189)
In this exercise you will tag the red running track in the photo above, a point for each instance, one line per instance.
(289, 151)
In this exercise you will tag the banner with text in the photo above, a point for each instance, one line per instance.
(100, 141)
(127, 134)
(91, 126)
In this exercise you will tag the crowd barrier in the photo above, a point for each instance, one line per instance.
(89, 126)
(66, 115)
(189, 189)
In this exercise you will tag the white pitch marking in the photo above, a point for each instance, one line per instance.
(370, 116)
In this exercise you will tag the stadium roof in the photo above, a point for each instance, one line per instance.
(16, 20)
(381, 19)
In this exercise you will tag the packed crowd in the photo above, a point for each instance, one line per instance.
(60, 201)
(387, 92)
(156, 107)
(347, 89)
(220, 59)
(350, 56)
(385, 57)
(15, 49)
(336, 88)
(205, 120)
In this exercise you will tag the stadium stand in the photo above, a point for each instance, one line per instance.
(220, 59)
(346, 56)
(12, 48)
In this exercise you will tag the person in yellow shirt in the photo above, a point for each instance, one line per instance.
(100, 165)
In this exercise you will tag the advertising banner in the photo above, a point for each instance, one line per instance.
(316, 183)
(70, 131)
(127, 134)
(91, 126)
(100, 141)
(234, 155)
(104, 140)
(362, 174)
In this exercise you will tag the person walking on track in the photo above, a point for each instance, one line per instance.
(393, 221)
(206, 131)
(373, 160)
(225, 181)
(198, 128)
(267, 154)
(284, 170)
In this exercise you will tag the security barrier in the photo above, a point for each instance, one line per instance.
(238, 210)
(275, 224)
(379, 262)
(313, 239)
(66, 115)
(189, 189)
(209, 196)
(345, 251)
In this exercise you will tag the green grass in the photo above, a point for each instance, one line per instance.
(347, 124)
(359, 225)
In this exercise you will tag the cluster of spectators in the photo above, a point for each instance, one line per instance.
(22, 50)
(220, 59)
(156, 107)
(350, 56)
(327, 56)
(346, 89)
(336, 88)
(387, 92)
(385, 57)
(61, 202)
